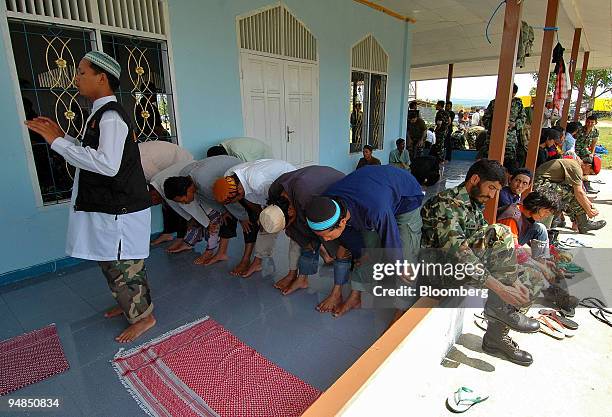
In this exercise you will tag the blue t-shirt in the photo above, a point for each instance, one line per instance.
(374, 195)
(569, 144)
(506, 197)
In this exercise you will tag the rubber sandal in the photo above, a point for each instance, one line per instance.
(592, 302)
(550, 328)
(570, 267)
(463, 399)
(481, 323)
(570, 324)
(573, 243)
(601, 315)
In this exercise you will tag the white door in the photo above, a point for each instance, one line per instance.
(280, 107)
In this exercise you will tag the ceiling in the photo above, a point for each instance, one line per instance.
(453, 31)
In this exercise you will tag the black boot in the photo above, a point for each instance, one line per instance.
(558, 221)
(496, 310)
(585, 225)
(497, 341)
(553, 237)
(557, 293)
(588, 188)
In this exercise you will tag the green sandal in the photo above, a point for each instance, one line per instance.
(463, 399)
(570, 267)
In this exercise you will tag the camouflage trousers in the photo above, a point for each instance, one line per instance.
(127, 280)
(569, 205)
(495, 248)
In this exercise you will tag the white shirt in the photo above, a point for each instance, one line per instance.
(257, 176)
(475, 119)
(195, 209)
(550, 117)
(431, 137)
(101, 236)
(157, 155)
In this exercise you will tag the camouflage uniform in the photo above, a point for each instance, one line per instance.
(514, 135)
(567, 200)
(454, 222)
(584, 140)
(127, 279)
(441, 131)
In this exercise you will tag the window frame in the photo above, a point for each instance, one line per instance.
(97, 29)
(369, 72)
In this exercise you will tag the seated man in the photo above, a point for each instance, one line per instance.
(194, 183)
(426, 170)
(520, 181)
(569, 143)
(369, 208)
(289, 195)
(248, 184)
(547, 151)
(564, 177)
(367, 159)
(245, 149)
(399, 157)
(155, 157)
(453, 220)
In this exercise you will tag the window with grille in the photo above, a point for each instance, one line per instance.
(368, 92)
(47, 53)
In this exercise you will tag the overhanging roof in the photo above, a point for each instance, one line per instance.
(453, 31)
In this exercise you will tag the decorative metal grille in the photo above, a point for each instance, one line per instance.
(367, 110)
(145, 90)
(46, 58)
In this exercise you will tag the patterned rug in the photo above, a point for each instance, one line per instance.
(30, 358)
(201, 369)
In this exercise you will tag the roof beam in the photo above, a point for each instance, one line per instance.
(390, 12)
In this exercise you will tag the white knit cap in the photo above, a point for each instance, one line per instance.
(104, 61)
(272, 219)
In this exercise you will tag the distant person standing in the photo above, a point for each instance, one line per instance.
(448, 141)
(416, 134)
(442, 122)
(476, 118)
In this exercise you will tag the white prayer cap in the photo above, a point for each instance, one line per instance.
(272, 219)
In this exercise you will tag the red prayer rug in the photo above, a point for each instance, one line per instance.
(30, 358)
(201, 369)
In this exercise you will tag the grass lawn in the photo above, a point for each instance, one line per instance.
(605, 138)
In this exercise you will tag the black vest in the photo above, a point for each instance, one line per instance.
(124, 193)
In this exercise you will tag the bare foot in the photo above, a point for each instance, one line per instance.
(136, 329)
(284, 282)
(254, 267)
(164, 237)
(301, 282)
(177, 247)
(240, 268)
(333, 300)
(113, 312)
(353, 302)
(219, 257)
(574, 226)
(203, 258)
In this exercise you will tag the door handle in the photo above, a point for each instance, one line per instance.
(289, 131)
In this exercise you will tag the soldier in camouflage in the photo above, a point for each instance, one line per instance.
(587, 137)
(453, 221)
(442, 124)
(514, 140)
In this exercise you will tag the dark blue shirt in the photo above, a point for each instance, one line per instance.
(506, 197)
(374, 195)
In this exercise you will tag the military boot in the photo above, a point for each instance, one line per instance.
(559, 295)
(497, 341)
(553, 237)
(558, 221)
(585, 225)
(496, 310)
(588, 188)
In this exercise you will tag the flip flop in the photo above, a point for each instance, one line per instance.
(481, 323)
(601, 315)
(570, 267)
(550, 328)
(463, 399)
(573, 243)
(592, 302)
(565, 322)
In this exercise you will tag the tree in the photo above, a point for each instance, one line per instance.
(597, 83)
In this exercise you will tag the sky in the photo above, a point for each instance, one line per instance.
(482, 88)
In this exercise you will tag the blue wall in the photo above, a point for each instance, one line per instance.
(206, 62)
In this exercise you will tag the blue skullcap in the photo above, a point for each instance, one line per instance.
(325, 224)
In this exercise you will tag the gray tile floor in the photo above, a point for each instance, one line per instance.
(287, 330)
